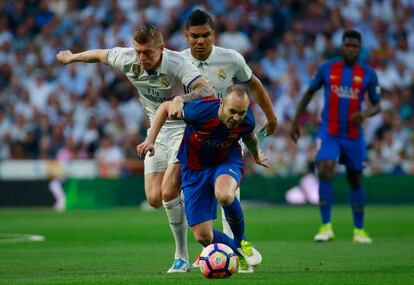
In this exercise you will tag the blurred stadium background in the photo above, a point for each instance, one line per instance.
(83, 121)
(68, 133)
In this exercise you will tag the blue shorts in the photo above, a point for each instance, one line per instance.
(351, 152)
(200, 202)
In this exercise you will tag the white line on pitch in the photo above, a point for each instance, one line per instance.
(14, 237)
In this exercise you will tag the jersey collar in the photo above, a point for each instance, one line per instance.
(164, 62)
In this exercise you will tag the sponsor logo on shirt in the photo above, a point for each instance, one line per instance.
(205, 139)
(345, 91)
(156, 99)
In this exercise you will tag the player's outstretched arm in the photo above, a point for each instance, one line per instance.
(261, 97)
(200, 90)
(252, 143)
(94, 55)
(159, 119)
(303, 103)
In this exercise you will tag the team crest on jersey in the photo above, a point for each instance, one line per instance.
(221, 74)
(357, 79)
(164, 81)
(136, 69)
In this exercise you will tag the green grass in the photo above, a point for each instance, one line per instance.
(128, 246)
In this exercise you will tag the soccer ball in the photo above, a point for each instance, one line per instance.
(218, 261)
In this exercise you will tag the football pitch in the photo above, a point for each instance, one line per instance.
(130, 246)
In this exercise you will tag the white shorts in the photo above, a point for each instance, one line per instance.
(166, 149)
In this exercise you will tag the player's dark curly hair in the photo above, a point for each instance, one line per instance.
(352, 34)
(199, 18)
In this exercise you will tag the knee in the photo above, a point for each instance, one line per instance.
(325, 174)
(204, 238)
(170, 193)
(154, 200)
(225, 198)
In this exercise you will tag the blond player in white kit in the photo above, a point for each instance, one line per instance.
(159, 75)
(221, 67)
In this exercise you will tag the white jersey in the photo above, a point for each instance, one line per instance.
(172, 77)
(222, 68)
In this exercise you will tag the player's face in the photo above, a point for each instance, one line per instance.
(233, 110)
(200, 40)
(350, 49)
(148, 55)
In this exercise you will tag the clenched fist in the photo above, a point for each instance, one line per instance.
(64, 57)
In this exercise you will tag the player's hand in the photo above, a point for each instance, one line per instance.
(270, 127)
(357, 117)
(175, 111)
(262, 160)
(64, 57)
(294, 132)
(145, 147)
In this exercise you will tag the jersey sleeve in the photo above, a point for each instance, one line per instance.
(249, 122)
(317, 80)
(119, 58)
(374, 90)
(187, 72)
(193, 111)
(243, 71)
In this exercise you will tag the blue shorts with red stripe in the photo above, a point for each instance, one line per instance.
(350, 152)
(200, 202)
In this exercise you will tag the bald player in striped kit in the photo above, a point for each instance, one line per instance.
(222, 68)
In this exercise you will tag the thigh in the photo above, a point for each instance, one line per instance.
(153, 188)
(158, 162)
(171, 183)
(200, 203)
(353, 153)
(327, 147)
(171, 140)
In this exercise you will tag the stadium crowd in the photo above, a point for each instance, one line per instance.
(82, 111)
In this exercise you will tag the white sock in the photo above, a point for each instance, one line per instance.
(178, 224)
(226, 226)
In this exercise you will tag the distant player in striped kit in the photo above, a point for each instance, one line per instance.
(340, 136)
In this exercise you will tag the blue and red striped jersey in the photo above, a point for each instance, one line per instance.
(344, 88)
(206, 140)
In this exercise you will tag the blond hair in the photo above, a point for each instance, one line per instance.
(148, 32)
